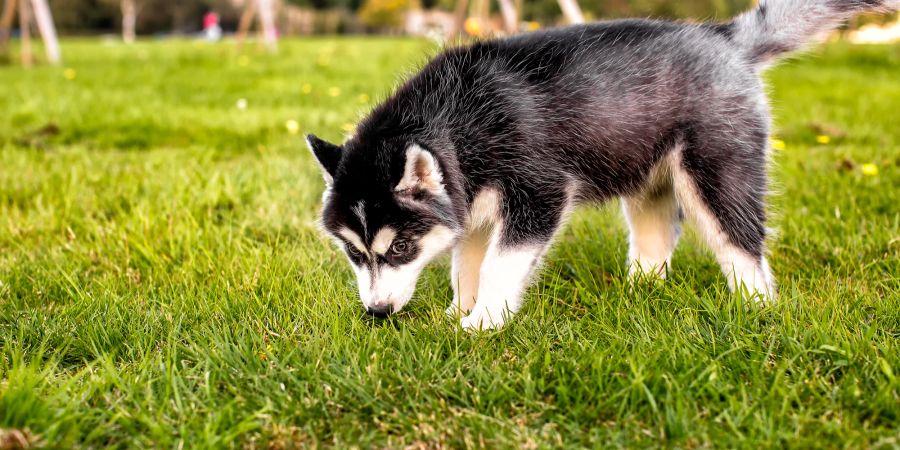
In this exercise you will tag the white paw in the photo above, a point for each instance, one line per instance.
(454, 311)
(760, 291)
(482, 319)
(638, 272)
(766, 297)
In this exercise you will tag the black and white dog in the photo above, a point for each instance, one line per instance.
(491, 145)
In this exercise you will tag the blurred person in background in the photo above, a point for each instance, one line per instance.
(211, 29)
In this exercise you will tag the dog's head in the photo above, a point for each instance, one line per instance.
(386, 205)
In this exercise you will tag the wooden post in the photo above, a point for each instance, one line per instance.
(48, 31)
(483, 8)
(25, 30)
(459, 13)
(510, 18)
(129, 21)
(245, 22)
(267, 20)
(571, 11)
(6, 21)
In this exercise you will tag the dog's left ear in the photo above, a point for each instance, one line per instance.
(328, 155)
(421, 173)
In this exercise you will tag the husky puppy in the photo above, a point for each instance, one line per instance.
(489, 147)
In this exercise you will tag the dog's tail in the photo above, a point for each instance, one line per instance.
(776, 27)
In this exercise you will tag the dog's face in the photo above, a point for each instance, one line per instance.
(390, 215)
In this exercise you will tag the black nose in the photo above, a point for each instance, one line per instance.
(380, 311)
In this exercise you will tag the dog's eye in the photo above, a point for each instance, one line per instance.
(353, 252)
(399, 248)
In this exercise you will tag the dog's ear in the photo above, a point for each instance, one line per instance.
(421, 174)
(328, 155)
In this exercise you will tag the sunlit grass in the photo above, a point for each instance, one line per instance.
(162, 281)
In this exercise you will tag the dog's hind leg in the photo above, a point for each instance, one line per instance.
(723, 193)
(654, 222)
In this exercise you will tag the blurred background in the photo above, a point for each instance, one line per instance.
(271, 19)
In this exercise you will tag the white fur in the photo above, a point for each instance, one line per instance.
(421, 171)
(383, 240)
(364, 284)
(353, 239)
(468, 255)
(489, 279)
(743, 271)
(504, 275)
(653, 234)
(652, 218)
(395, 285)
(484, 210)
(360, 211)
(470, 249)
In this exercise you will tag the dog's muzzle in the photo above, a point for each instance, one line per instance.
(380, 311)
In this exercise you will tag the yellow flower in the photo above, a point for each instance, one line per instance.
(334, 91)
(869, 169)
(307, 88)
(778, 144)
(823, 139)
(292, 126)
(473, 26)
(363, 98)
(69, 73)
(323, 61)
(244, 61)
(533, 25)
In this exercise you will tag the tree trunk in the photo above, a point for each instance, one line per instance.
(129, 20)
(25, 30)
(6, 21)
(9, 14)
(483, 8)
(245, 22)
(267, 20)
(459, 13)
(47, 29)
(571, 10)
(510, 16)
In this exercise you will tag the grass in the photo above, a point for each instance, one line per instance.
(162, 282)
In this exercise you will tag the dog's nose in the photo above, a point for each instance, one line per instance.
(380, 310)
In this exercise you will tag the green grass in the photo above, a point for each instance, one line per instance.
(163, 283)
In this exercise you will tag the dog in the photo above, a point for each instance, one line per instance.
(488, 148)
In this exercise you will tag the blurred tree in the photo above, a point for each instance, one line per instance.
(184, 16)
(31, 12)
(385, 14)
(85, 15)
(571, 11)
(151, 16)
(6, 21)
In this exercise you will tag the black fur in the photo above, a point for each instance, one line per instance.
(594, 107)
(581, 114)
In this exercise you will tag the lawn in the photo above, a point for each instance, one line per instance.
(163, 283)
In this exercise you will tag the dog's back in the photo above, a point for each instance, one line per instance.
(598, 104)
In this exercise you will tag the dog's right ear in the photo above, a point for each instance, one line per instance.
(328, 155)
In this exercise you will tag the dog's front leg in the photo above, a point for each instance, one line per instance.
(503, 278)
(468, 255)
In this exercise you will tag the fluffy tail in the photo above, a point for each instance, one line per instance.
(777, 27)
